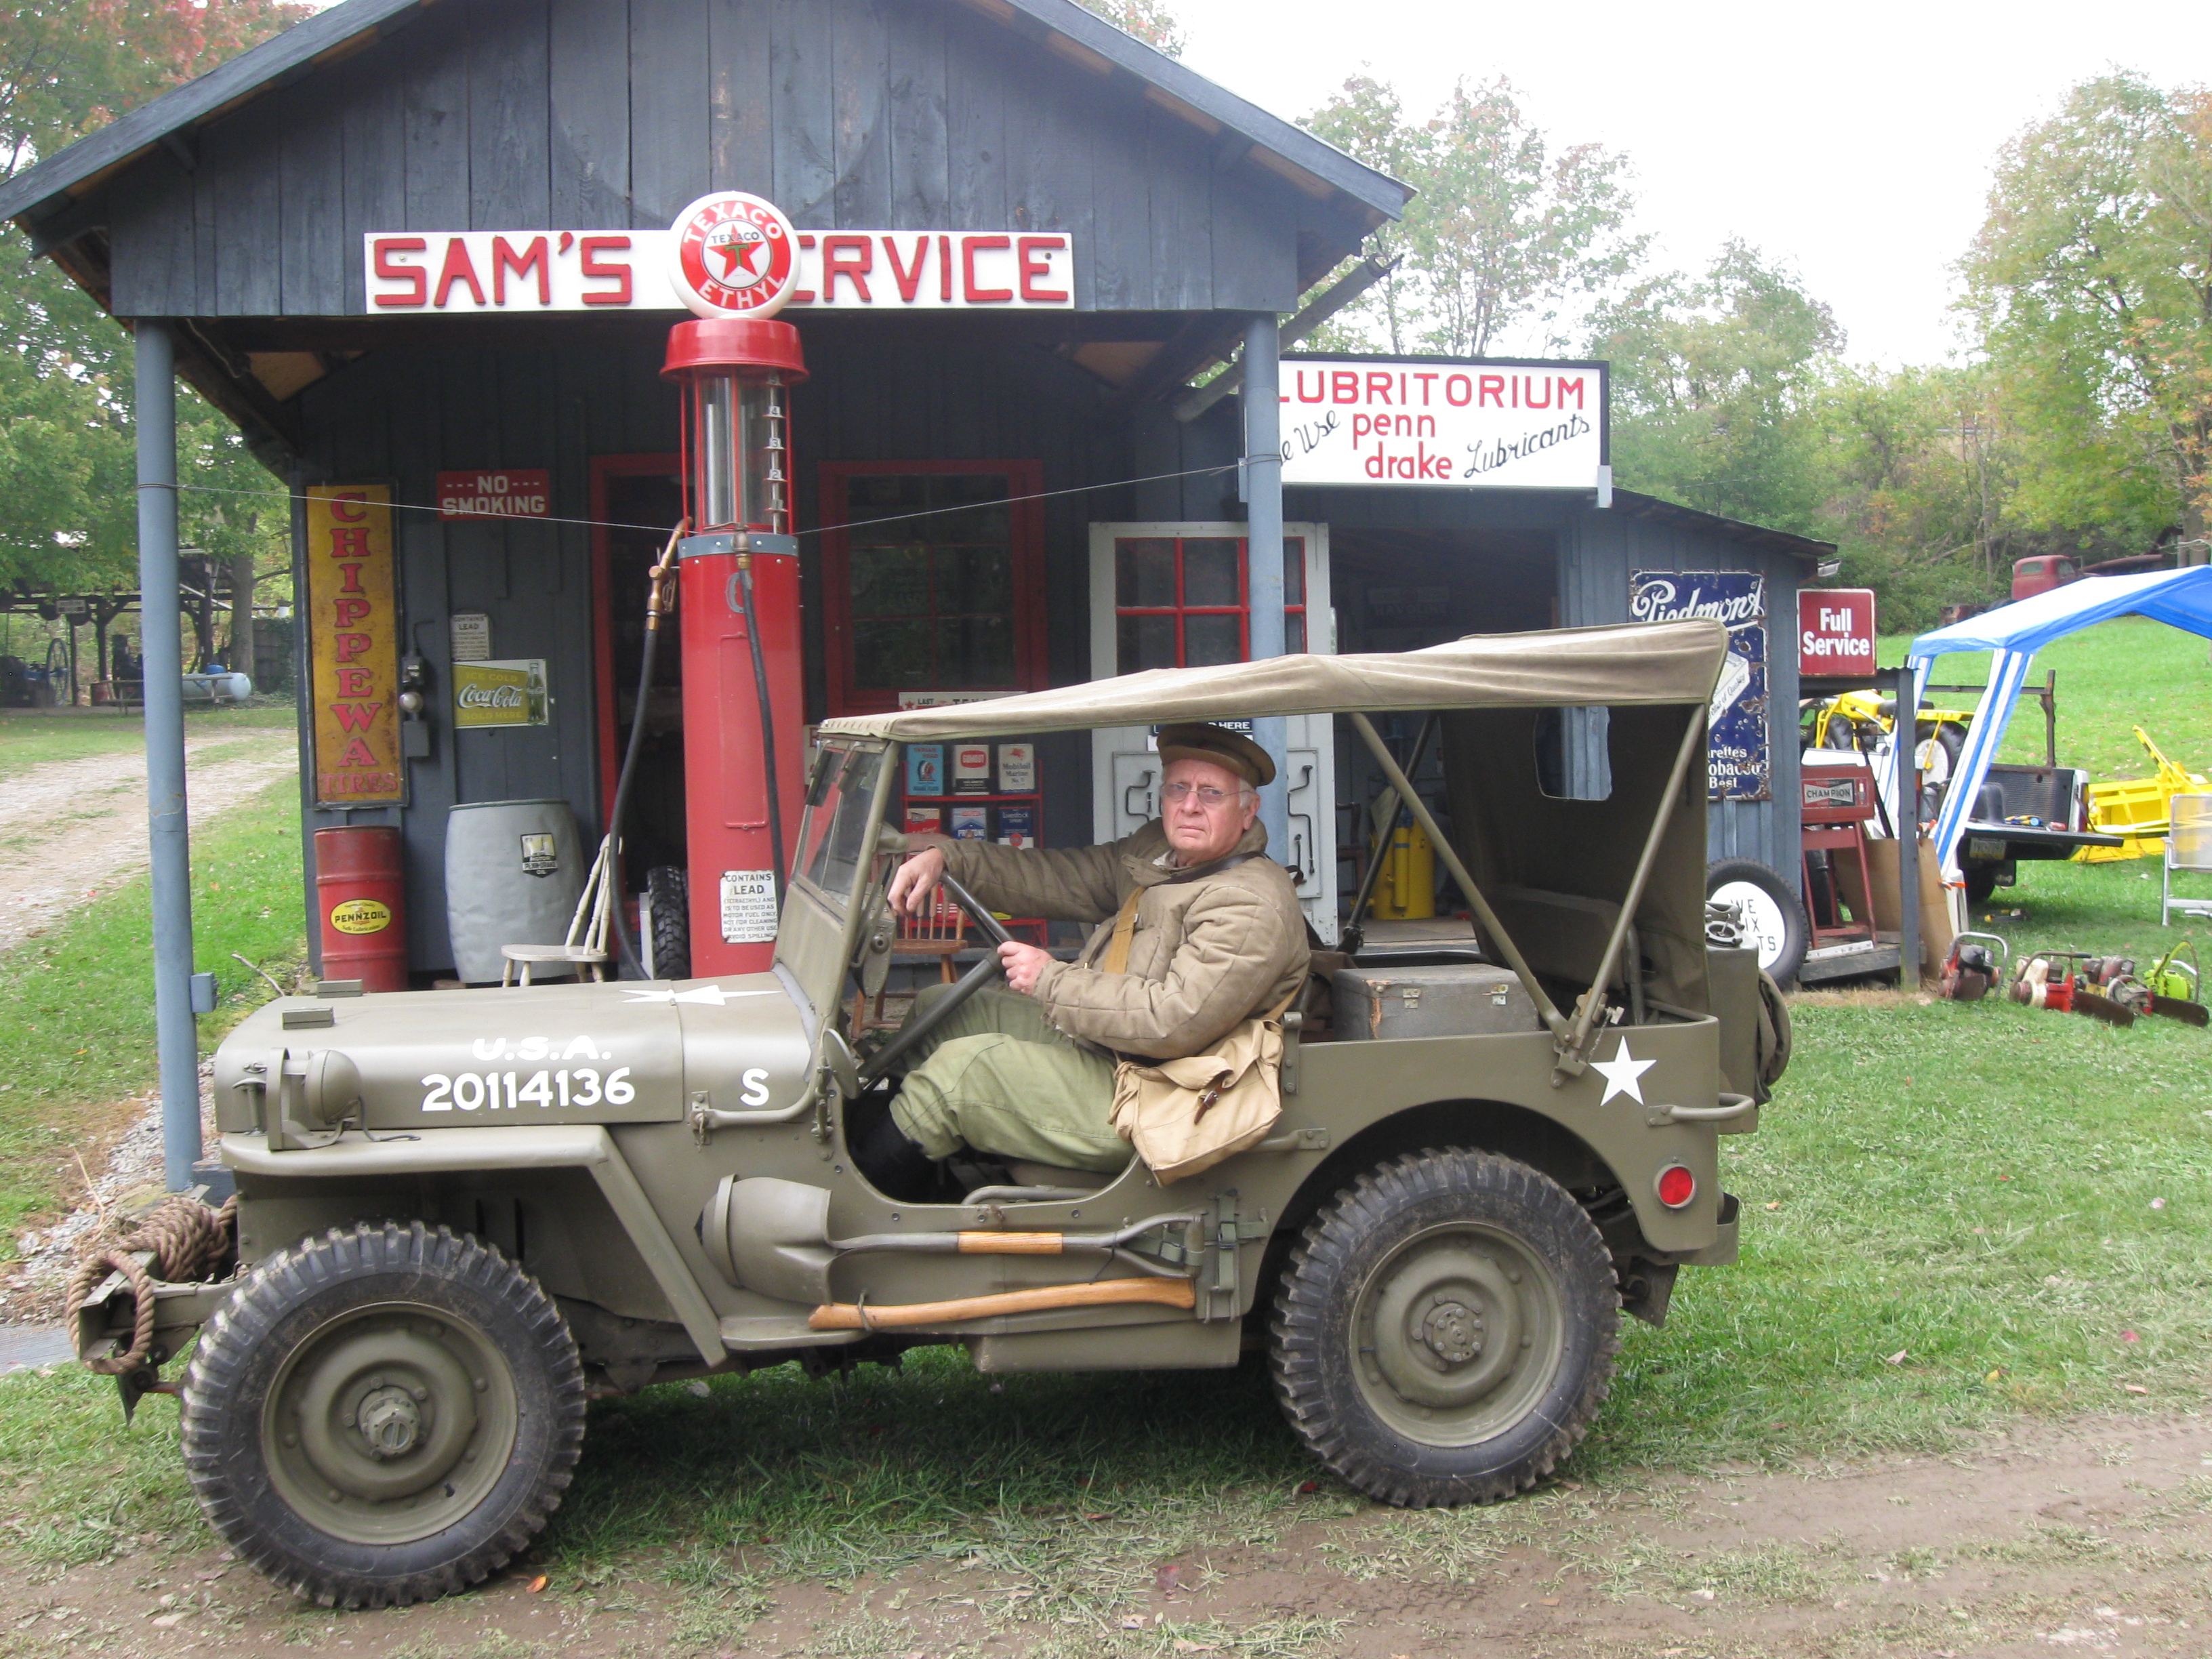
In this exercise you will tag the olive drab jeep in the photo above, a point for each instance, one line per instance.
(463, 1214)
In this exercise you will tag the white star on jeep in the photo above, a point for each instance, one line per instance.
(1620, 1073)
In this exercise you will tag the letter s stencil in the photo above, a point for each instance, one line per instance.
(756, 1087)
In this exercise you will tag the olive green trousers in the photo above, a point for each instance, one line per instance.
(997, 1076)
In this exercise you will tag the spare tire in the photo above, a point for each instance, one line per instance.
(667, 923)
(1777, 920)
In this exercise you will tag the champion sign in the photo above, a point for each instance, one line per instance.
(1491, 424)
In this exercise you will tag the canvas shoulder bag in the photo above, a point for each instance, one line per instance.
(1185, 1115)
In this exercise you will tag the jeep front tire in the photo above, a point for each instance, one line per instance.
(383, 1416)
(1445, 1329)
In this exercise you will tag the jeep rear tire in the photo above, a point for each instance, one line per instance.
(1445, 1329)
(383, 1416)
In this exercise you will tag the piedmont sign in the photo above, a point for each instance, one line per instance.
(1491, 424)
(1738, 763)
(446, 273)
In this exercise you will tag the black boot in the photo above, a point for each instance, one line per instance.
(893, 1163)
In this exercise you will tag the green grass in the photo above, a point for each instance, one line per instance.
(76, 1003)
(2113, 678)
(31, 738)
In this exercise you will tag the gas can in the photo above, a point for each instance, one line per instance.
(364, 912)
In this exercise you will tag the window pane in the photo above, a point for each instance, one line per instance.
(1294, 631)
(1209, 572)
(874, 497)
(891, 581)
(895, 653)
(1146, 643)
(1294, 570)
(1143, 572)
(1208, 640)
(972, 578)
(978, 650)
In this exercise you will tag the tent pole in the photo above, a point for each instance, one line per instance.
(1906, 829)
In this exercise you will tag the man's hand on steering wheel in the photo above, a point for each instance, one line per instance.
(1021, 963)
(913, 883)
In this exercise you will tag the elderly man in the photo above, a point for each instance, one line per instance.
(1198, 930)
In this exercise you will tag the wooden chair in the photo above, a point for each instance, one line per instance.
(585, 946)
(941, 934)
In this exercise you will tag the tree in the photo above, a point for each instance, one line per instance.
(1503, 233)
(1714, 387)
(1149, 21)
(69, 510)
(2091, 287)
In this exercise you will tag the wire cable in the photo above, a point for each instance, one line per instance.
(662, 529)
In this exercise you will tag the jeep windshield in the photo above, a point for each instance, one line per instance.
(833, 835)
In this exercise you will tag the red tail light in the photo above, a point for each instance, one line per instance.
(1677, 1186)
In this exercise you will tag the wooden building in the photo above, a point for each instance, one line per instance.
(290, 220)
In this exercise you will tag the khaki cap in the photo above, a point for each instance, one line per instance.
(1198, 740)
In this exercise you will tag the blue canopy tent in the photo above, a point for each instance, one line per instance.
(2015, 633)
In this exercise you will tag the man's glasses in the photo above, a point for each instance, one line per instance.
(1208, 796)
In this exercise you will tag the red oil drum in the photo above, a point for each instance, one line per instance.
(358, 898)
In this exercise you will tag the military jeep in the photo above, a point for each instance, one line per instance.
(462, 1215)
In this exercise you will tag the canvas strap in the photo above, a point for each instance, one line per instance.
(1116, 959)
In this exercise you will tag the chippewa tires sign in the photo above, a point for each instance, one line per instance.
(352, 645)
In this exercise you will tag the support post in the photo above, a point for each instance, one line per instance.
(1263, 529)
(176, 1033)
(1905, 749)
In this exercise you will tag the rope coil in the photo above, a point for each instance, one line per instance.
(191, 1243)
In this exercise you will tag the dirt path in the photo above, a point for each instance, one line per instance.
(2089, 1537)
(70, 830)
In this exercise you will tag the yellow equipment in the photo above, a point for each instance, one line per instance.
(1859, 720)
(2139, 808)
(1407, 891)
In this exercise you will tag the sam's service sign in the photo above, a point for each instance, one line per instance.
(1740, 767)
(353, 646)
(1493, 424)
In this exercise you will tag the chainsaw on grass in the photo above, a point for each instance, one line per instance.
(1972, 969)
(2047, 980)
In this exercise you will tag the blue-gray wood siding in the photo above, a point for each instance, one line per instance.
(947, 393)
(1595, 559)
(586, 114)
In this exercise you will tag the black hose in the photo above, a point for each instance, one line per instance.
(625, 948)
(768, 729)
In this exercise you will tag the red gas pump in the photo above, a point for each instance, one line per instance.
(738, 580)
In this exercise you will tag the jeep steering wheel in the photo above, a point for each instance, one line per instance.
(969, 983)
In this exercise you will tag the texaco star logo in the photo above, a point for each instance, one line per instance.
(734, 255)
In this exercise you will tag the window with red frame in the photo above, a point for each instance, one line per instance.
(1184, 601)
(933, 579)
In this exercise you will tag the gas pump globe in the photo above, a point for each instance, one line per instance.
(738, 584)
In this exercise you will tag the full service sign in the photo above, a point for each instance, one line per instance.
(1739, 766)
(1496, 425)
(445, 272)
(352, 630)
(1835, 630)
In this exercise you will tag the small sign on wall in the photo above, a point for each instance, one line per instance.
(511, 693)
(507, 493)
(352, 634)
(471, 636)
(1835, 630)
(1738, 756)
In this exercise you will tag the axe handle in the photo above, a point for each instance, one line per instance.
(987, 1244)
(847, 1316)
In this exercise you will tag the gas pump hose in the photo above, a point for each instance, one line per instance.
(656, 606)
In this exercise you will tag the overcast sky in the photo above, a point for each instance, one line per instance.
(1853, 140)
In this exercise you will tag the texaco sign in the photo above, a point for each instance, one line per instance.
(734, 256)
